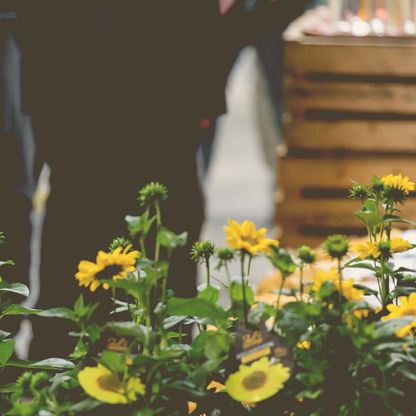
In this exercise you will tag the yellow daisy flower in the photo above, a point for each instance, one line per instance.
(367, 249)
(407, 306)
(399, 245)
(304, 345)
(101, 384)
(245, 237)
(349, 291)
(399, 182)
(113, 265)
(321, 277)
(406, 330)
(257, 382)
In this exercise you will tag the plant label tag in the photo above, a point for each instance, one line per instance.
(255, 343)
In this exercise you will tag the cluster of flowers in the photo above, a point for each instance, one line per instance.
(324, 350)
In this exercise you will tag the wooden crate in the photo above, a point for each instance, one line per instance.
(350, 114)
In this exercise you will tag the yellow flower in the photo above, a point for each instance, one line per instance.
(245, 237)
(406, 330)
(407, 306)
(321, 277)
(399, 245)
(398, 182)
(304, 345)
(257, 382)
(367, 249)
(219, 387)
(113, 265)
(349, 291)
(103, 385)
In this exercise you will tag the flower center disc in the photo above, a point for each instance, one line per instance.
(109, 383)
(109, 272)
(255, 380)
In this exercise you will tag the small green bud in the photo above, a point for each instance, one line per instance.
(24, 381)
(122, 242)
(377, 185)
(151, 193)
(225, 254)
(359, 192)
(385, 248)
(202, 250)
(336, 246)
(39, 382)
(307, 255)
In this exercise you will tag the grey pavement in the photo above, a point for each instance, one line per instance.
(239, 184)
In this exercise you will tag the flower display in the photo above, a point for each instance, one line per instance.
(245, 237)
(103, 385)
(113, 265)
(257, 382)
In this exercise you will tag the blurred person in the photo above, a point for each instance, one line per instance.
(115, 90)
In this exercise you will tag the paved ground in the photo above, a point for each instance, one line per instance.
(239, 184)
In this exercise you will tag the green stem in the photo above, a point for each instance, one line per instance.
(158, 223)
(227, 271)
(279, 295)
(208, 271)
(243, 288)
(249, 264)
(340, 293)
(301, 280)
(142, 247)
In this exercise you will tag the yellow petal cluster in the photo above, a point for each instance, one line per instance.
(257, 382)
(399, 245)
(245, 237)
(406, 307)
(348, 290)
(122, 258)
(371, 249)
(321, 277)
(400, 182)
(101, 384)
(367, 249)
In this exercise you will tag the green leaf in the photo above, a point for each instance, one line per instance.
(283, 261)
(368, 214)
(396, 218)
(4, 335)
(367, 290)
(211, 293)
(195, 307)
(7, 263)
(211, 344)
(48, 364)
(85, 406)
(64, 313)
(139, 225)
(236, 293)
(389, 328)
(6, 350)
(127, 329)
(171, 321)
(114, 361)
(170, 240)
(17, 288)
(20, 310)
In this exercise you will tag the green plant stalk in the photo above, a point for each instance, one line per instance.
(279, 295)
(207, 271)
(301, 288)
(340, 292)
(142, 247)
(243, 288)
(227, 271)
(250, 258)
(158, 223)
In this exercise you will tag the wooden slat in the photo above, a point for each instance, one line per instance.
(351, 56)
(302, 96)
(297, 174)
(328, 212)
(352, 135)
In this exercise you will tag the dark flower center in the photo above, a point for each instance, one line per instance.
(109, 272)
(255, 380)
(109, 382)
